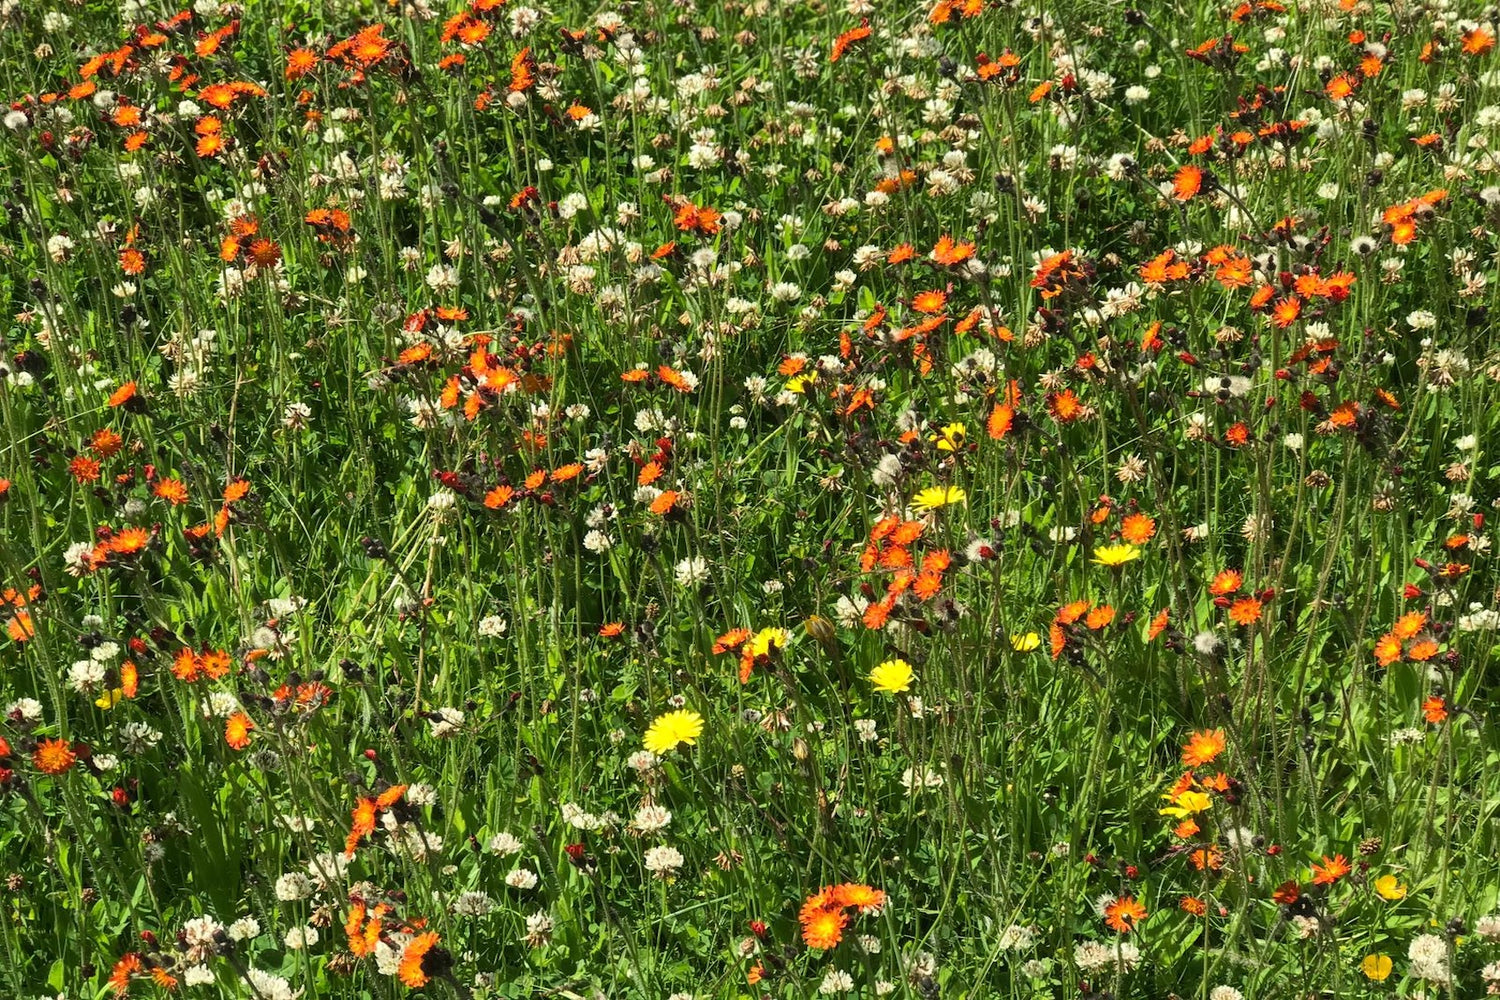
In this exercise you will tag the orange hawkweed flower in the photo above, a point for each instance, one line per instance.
(1286, 893)
(1285, 312)
(1226, 582)
(20, 628)
(264, 252)
(300, 62)
(119, 977)
(1478, 41)
(856, 894)
(1388, 649)
(105, 442)
(122, 395)
(210, 145)
(1187, 182)
(174, 491)
(83, 469)
(416, 960)
(1203, 747)
(1000, 421)
(1245, 611)
(1124, 914)
(823, 928)
(841, 44)
(1331, 870)
(1065, 406)
(948, 252)
(1435, 710)
(1409, 625)
(1137, 528)
(929, 302)
(237, 730)
(363, 824)
(54, 757)
(129, 541)
(1422, 649)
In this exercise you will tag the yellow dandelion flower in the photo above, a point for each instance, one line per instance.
(666, 731)
(1025, 642)
(799, 383)
(938, 496)
(1388, 887)
(1116, 555)
(1185, 804)
(892, 676)
(950, 438)
(767, 639)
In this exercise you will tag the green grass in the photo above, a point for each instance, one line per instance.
(475, 402)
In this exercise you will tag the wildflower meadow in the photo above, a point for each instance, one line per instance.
(749, 500)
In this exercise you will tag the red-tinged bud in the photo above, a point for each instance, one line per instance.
(1221, 602)
(150, 473)
(1131, 871)
(137, 646)
(1187, 358)
(1273, 850)
(1091, 858)
(1411, 592)
(1270, 402)
(1283, 373)
(150, 939)
(575, 851)
(1267, 594)
(1478, 521)
(370, 754)
(120, 797)
(758, 928)
(1423, 564)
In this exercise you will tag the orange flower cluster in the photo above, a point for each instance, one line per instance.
(365, 814)
(191, 665)
(1073, 621)
(823, 916)
(1410, 639)
(18, 625)
(1401, 220)
(1243, 609)
(889, 549)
